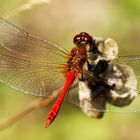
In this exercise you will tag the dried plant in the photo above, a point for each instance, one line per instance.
(26, 6)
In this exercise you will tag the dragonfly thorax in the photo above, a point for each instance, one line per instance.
(77, 58)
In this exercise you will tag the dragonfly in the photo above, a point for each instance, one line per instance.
(91, 73)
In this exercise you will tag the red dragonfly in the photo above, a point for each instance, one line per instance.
(38, 67)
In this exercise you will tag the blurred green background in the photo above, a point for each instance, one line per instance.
(59, 21)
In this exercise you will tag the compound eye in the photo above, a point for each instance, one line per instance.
(83, 36)
(77, 38)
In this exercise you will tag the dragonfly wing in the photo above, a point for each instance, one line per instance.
(122, 95)
(134, 106)
(73, 96)
(132, 61)
(28, 45)
(122, 98)
(28, 63)
(98, 104)
(26, 77)
(121, 104)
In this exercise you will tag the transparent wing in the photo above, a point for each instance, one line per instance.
(133, 61)
(30, 46)
(133, 106)
(129, 105)
(28, 63)
(72, 95)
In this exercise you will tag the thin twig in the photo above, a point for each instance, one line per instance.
(35, 104)
(26, 6)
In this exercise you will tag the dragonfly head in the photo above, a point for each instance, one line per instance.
(83, 38)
